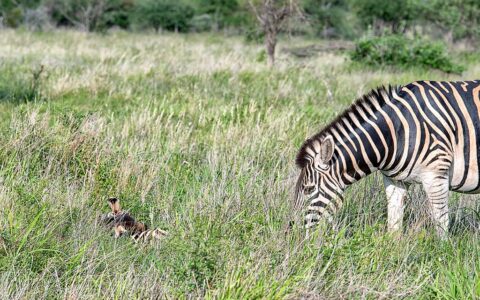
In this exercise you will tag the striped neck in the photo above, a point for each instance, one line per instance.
(364, 138)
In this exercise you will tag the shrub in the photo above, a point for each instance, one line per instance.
(203, 22)
(397, 15)
(117, 14)
(83, 14)
(224, 13)
(398, 50)
(13, 18)
(460, 17)
(37, 19)
(163, 14)
(329, 18)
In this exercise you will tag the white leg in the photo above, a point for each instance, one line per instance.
(437, 189)
(396, 192)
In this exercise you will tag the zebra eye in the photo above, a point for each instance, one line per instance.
(307, 190)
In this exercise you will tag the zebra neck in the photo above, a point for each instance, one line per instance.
(355, 157)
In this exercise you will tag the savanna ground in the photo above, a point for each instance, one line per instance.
(197, 136)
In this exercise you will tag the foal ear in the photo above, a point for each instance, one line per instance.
(326, 149)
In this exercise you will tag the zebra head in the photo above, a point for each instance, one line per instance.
(318, 187)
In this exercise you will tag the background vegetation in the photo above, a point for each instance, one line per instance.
(169, 105)
(459, 19)
(421, 21)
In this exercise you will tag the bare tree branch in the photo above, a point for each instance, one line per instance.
(272, 14)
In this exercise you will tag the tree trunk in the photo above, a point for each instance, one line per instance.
(270, 44)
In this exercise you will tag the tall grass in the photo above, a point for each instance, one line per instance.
(196, 137)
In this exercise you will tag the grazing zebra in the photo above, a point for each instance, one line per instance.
(425, 132)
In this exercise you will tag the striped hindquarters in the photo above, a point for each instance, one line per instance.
(149, 235)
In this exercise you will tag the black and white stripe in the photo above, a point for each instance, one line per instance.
(425, 132)
(149, 235)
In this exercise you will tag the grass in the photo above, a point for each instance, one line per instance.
(197, 137)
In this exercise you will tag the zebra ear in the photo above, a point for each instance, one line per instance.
(326, 149)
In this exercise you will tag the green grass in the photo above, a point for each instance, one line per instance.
(199, 138)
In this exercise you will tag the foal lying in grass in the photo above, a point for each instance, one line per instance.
(123, 223)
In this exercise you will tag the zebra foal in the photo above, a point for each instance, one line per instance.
(425, 132)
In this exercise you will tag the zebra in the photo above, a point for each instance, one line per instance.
(123, 222)
(425, 132)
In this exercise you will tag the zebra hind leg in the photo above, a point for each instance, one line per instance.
(396, 192)
(437, 189)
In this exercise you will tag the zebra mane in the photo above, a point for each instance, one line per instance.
(365, 100)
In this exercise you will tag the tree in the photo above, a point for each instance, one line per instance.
(13, 11)
(83, 14)
(172, 15)
(460, 18)
(221, 11)
(329, 18)
(272, 14)
(396, 15)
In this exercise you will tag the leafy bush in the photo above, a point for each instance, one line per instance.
(13, 18)
(460, 17)
(37, 19)
(224, 13)
(397, 15)
(88, 15)
(163, 14)
(401, 51)
(203, 22)
(329, 18)
(118, 14)
(12, 11)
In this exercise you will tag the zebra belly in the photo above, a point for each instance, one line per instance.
(464, 178)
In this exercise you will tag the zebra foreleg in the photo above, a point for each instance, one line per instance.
(437, 189)
(396, 192)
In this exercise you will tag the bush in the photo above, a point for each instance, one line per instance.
(202, 23)
(118, 14)
(37, 19)
(329, 18)
(172, 15)
(224, 13)
(398, 50)
(13, 18)
(460, 17)
(393, 16)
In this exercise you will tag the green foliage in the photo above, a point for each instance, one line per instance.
(330, 18)
(223, 13)
(394, 16)
(395, 50)
(117, 14)
(163, 14)
(460, 17)
(345, 19)
(91, 15)
(13, 11)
